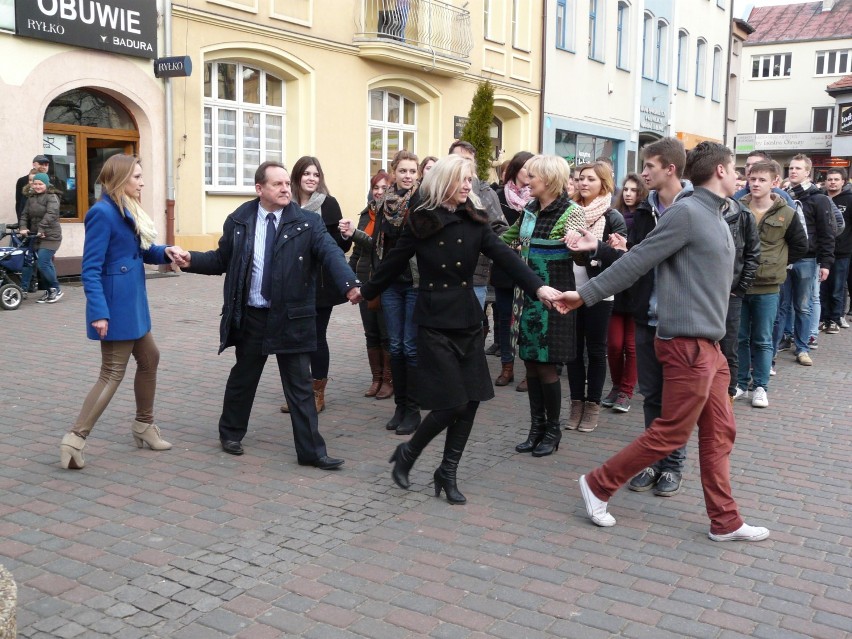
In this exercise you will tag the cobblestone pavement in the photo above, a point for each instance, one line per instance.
(194, 543)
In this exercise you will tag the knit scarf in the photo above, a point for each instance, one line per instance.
(596, 214)
(516, 197)
(315, 202)
(796, 192)
(371, 212)
(144, 225)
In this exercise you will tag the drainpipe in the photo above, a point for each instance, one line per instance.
(728, 75)
(170, 177)
(543, 76)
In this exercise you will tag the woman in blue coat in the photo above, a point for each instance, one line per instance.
(119, 239)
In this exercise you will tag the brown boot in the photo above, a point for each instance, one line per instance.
(507, 375)
(576, 415)
(374, 356)
(591, 410)
(386, 390)
(319, 393)
(522, 387)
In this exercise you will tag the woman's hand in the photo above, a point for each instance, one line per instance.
(179, 257)
(347, 229)
(580, 240)
(618, 242)
(101, 326)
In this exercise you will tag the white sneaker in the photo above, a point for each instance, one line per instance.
(595, 508)
(740, 394)
(843, 323)
(759, 399)
(743, 533)
(772, 371)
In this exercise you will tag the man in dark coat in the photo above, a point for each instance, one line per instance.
(270, 251)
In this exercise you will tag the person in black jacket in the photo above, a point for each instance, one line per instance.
(594, 199)
(832, 292)
(270, 251)
(311, 193)
(446, 233)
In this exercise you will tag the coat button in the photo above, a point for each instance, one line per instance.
(445, 285)
(458, 241)
(440, 242)
(124, 269)
(443, 266)
(458, 264)
(431, 285)
(464, 284)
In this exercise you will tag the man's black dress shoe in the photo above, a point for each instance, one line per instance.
(325, 463)
(232, 448)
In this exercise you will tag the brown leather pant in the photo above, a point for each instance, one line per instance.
(114, 358)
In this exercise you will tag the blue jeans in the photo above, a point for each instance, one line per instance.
(784, 317)
(755, 338)
(816, 305)
(481, 292)
(833, 291)
(45, 267)
(398, 306)
(803, 276)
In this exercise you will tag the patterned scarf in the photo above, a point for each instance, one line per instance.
(394, 207)
(595, 214)
(516, 197)
(315, 202)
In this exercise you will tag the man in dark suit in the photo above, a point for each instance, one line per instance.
(270, 251)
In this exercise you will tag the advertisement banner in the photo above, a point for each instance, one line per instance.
(127, 27)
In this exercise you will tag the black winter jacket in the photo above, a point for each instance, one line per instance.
(499, 277)
(301, 245)
(820, 224)
(843, 201)
(327, 293)
(746, 246)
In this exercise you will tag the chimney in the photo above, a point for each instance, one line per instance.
(828, 5)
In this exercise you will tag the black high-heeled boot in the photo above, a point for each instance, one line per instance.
(445, 475)
(406, 454)
(552, 394)
(411, 412)
(537, 419)
(400, 388)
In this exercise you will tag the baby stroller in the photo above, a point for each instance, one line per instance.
(13, 258)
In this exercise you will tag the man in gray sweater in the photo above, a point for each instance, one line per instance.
(693, 253)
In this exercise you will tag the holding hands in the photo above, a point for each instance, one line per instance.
(354, 295)
(179, 257)
(618, 242)
(347, 228)
(580, 240)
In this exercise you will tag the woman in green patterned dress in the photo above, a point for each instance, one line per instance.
(543, 337)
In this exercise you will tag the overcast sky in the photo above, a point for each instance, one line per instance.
(743, 7)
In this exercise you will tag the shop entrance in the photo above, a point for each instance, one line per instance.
(82, 128)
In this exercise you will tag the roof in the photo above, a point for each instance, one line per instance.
(843, 85)
(800, 22)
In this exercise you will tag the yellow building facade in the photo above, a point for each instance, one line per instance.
(349, 82)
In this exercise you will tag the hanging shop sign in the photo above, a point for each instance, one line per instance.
(128, 27)
(178, 67)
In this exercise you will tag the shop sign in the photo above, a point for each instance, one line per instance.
(826, 162)
(653, 119)
(458, 125)
(844, 120)
(180, 67)
(782, 142)
(120, 26)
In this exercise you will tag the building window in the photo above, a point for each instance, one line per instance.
(823, 119)
(487, 15)
(648, 46)
(682, 60)
(393, 126)
(515, 25)
(243, 123)
(770, 120)
(834, 62)
(565, 24)
(716, 87)
(596, 26)
(623, 32)
(700, 67)
(661, 63)
(773, 65)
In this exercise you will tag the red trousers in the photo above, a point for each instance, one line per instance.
(695, 390)
(621, 352)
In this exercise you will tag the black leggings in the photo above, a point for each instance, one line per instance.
(591, 330)
(320, 358)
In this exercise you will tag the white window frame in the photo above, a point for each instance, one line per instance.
(661, 56)
(648, 48)
(716, 80)
(622, 50)
(487, 15)
(771, 121)
(829, 122)
(597, 22)
(214, 182)
(839, 56)
(767, 61)
(683, 60)
(388, 127)
(700, 67)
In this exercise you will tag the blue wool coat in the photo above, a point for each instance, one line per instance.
(113, 273)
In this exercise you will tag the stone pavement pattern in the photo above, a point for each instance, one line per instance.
(194, 543)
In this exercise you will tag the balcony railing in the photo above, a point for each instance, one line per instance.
(429, 26)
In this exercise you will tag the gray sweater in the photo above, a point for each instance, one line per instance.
(693, 253)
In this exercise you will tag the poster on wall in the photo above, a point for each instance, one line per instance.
(7, 15)
(844, 120)
(128, 27)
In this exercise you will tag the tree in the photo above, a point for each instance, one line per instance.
(477, 130)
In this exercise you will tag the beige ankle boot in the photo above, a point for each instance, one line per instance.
(149, 434)
(71, 451)
(575, 416)
(591, 411)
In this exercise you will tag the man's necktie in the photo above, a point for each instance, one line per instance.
(266, 281)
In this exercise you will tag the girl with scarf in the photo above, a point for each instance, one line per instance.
(514, 196)
(119, 238)
(594, 199)
(543, 337)
(311, 193)
(398, 299)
